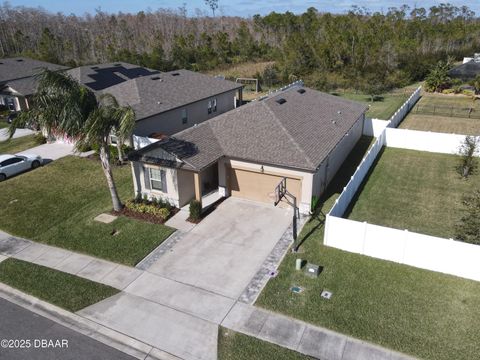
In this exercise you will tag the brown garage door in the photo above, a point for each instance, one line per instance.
(258, 187)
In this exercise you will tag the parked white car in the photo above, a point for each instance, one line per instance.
(14, 164)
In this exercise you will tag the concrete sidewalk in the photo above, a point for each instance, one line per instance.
(307, 339)
(88, 267)
(182, 319)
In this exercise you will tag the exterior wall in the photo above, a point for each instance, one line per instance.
(306, 178)
(170, 122)
(186, 187)
(335, 159)
(180, 187)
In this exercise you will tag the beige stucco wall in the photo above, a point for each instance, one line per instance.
(180, 186)
(170, 122)
(334, 161)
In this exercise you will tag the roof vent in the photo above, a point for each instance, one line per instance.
(117, 64)
(281, 101)
(301, 91)
(156, 78)
(1, 63)
(94, 67)
(175, 74)
(19, 60)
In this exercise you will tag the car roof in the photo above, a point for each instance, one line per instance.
(6, 157)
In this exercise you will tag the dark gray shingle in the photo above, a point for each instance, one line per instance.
(299, 134)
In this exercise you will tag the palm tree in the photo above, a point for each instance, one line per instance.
(64, 107)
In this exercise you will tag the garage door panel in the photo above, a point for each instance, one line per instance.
(258, 187)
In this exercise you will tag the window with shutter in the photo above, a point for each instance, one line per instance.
(157, 179)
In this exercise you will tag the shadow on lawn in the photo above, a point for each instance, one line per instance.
(339, 181)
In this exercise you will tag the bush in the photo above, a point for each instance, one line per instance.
(195, 209)
(113, 151)
(148, 208)
(40, 139)
(314, 203)
(468, 92)
(449, 91)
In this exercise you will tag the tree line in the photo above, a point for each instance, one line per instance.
(364, 50)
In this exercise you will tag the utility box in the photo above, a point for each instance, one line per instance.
(312, 270)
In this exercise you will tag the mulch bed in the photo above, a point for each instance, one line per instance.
(144, 217)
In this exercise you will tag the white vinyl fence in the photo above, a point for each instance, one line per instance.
(400, 114)
(424, 141)
(401, 246)
(405, 247)
(345, 198)
(374, 127)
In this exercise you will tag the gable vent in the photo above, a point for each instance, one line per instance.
(175, 74)
(301, 91)
(281, 101)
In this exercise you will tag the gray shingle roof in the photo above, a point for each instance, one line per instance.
(151, 95)
(101, 76)
(20, 67)
(466, 72)
(26, 86)
(299, 133)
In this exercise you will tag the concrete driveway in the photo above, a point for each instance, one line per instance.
(177, 304)
(224, 252)
(50, 152)
(18, 133)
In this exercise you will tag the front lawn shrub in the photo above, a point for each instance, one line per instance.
(39, 139)
(148, 208)
(195, 209)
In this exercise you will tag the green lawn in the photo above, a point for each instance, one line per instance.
(383, 108)
(3, 124)
(56, 205)
(236, 346)
(67, 291)
(422, 313)
(414, 190)
(17, 145)
(443, 124)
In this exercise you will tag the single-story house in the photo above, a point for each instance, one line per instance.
(299, 134)
(164, 103)
(17, 82)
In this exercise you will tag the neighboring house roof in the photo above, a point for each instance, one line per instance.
(101, 76)
(26, 86)
(20, 67)
(467, 71)
(296, 128)
(151, 95)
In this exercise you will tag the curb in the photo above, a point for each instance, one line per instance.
(77, 323)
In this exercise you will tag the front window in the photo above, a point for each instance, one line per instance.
(156, 179)
(209, 106)
(184, 116)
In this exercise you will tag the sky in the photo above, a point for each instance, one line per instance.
(244, 8)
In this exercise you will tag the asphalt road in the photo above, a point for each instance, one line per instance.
(43, 339)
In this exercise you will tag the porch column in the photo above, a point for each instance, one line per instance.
(198, 186)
